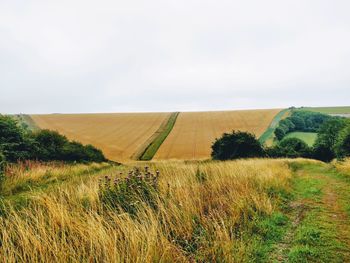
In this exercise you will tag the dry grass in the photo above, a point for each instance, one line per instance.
(194, 132)
(118, 135)
(201, 218)
(343, 166)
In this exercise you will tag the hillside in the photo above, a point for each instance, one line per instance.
(124, 136)
(118, 135)
(194, 132)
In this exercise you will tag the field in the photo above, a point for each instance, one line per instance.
(331, 110)
(308, 137)
(119, 135)
(194, 132)
(236, 211)
(187, 135)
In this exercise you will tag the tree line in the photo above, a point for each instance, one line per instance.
(18, 143)
(333, 140)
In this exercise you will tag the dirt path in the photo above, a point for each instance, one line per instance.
(319, 229)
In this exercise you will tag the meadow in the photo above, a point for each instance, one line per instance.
(256, 210)
(308, 137)
(205, 211)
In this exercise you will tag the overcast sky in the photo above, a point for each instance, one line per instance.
(161, 55)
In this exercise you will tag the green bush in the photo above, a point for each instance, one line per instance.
(18, 144)
(290, 148)
(236, 145)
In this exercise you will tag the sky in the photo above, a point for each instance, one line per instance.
(76, 56)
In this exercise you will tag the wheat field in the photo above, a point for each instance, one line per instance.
(194, 132)
(118, 135)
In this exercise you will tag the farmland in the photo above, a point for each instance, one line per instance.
(127, 136)
(119, 135)
(194, 132)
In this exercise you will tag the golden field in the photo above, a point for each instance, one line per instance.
(118, 135)
(207, 212)
(194, 132)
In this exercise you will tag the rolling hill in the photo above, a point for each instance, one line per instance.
(122, 136)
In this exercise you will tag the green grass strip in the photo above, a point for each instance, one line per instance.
(269, 133)
(158, 138)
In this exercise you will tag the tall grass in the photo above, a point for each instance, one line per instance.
(205, 212)
(343, 166)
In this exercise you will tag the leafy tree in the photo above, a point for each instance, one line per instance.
(324, 148)
(342, 145)
(280, 133)
(290, 148)
(14, 142)
(236, 145)
(50, 144)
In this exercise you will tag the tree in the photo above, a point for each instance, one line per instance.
(236, 145)
(50, 144)
(280, 133)
(324, 148)
(290, 148)
(342, 145)
(15, 144)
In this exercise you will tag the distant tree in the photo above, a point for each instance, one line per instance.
(236, 145)
(324, 148)
(280, 133)
(342, 145)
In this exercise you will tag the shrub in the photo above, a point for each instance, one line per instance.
(129, 194)
(51, 145)
(290, 148)
(236, 145)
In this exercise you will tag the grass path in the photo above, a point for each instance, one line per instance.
(147, 151)
(319, 216)
(268, 136)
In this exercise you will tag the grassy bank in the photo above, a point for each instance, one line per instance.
(268, 136)
(158, 138)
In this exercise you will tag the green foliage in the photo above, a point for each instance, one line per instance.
(324, 148)
(342, 144)
(236, 145)
(304, 121)
(18, 144)
(128, 194)
(14, 142)
(290, 148)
